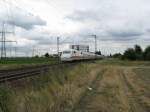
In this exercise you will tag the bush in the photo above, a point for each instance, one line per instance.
(130, 54)
(139, 52)
(147, 53)
(98, 53)
(47, 55)
(135, 53)
(138, 49)
(117, 55)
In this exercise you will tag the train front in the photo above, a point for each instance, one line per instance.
(66, 55)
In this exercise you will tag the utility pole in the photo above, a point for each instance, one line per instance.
(58, 48)
(3, 41)
(58, 45)
(3, 47)
(15, 51)
(33, 51)
(95, 37)
(10, 50)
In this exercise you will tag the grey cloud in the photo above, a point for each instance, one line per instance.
(26, 21)
(83, 16)
(44, 40)
(125, 34)
(21, 18)
(113, 34)
(115, 20)
(40, 38)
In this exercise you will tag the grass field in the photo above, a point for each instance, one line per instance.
(104, 86)
(19, 62)
(117, 62)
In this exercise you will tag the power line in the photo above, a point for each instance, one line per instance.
(9, 14)
(3, 41)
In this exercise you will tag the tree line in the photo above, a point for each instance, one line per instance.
(136, 53)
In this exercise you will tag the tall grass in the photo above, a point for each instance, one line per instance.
(55, 91)
(118, 62)
(5, 98)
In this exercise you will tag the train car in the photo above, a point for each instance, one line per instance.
(75, 55)
(71, 55)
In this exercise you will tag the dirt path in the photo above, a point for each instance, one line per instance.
(136, 91)
(132, 95)
(88, 94)
(112, 91)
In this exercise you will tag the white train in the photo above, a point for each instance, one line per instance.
(75, 55)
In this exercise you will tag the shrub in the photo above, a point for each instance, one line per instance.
(147, 53)
(138, 49)
(139, 52)
(135, 53)
(117, 55)
(130, 54)
(47, 55)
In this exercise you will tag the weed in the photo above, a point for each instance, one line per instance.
(4, 99)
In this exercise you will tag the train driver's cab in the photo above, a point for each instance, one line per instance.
(66, 55)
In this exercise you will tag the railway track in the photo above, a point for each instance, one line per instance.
(11, 75)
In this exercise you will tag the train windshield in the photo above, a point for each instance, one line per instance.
(66, 52)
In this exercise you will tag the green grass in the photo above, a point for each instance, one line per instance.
(4, 99)
(21, 62)
(123, 62)
(143, 74)
(27, 60)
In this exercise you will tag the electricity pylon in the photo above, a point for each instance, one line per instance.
(3, 41)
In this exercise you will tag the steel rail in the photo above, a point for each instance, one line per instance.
(10, 75)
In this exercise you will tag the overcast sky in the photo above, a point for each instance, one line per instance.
(118, 24)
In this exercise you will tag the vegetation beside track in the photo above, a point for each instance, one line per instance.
(21, 62)
(106, 85)
(118, 62)
(49, 92)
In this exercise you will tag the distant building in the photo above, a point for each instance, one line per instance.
(84, 48)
